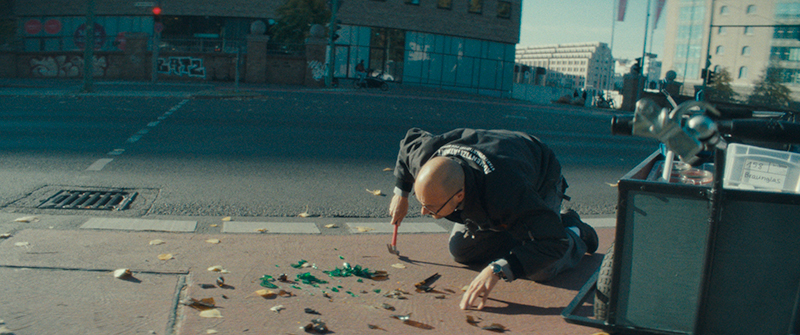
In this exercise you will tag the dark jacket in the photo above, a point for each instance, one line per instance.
(505, 173)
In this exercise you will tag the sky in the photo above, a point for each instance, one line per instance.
(575, 21)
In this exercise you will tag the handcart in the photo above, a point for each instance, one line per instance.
(708, 228)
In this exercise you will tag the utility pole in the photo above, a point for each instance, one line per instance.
(644, 53)
(88, 48)
(708, 46)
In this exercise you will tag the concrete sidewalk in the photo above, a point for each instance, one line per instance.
(57, 275)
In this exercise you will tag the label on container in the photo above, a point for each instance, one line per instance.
(764, 174)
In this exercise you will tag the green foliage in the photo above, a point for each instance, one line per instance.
(769, 90)
(296, 17)
(721, 90)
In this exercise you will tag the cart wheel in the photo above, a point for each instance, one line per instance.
(384, 87)
(604, 285)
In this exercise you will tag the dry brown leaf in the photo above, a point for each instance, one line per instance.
(211, 313)
(165, 257)
(375, 192)
(213, 225)
(22, 244)
(262, 230)
(27, 219)
(388, 169)
(156, 242)
(227, 218)
(5, 235)
(267, 294)
(304, 214)
(332, 225)
(399, 266)
(277, 309)
(218, 268)
(213, 241)
(364, 229)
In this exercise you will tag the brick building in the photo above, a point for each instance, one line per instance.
(463, 45)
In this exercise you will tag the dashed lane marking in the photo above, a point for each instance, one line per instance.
(99, 164)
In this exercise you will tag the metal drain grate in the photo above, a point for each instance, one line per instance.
(98, 200)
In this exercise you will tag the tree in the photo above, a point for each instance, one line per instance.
(721, 90)
(296, 17)
(769, 90)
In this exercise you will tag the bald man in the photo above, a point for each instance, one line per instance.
(503, 190)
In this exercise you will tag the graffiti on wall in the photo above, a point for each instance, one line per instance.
(180, 66)
(65, 66)
(317, 69)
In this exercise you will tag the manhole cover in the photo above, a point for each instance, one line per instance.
(88, 199)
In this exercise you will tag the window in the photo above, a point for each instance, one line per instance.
(748, 30)
(722, 31)
(723, 10)
(412, 2)
(751, 9)
(720, 50)
(475, 6)
(504, 9)
(743, 72)
(445, 4)
(746, 51)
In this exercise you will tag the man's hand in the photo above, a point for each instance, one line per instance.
(398, 209)
(480, 286)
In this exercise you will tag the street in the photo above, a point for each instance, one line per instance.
(278, 154)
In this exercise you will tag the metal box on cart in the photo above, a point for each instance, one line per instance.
(679, 270)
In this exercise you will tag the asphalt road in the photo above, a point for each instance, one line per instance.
(276, 155)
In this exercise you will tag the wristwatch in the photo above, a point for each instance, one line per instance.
(498, 270)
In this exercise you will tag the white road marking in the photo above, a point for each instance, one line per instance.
(99, 164)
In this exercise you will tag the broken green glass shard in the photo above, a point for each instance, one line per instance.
(309, 279)
(334, 289)
(351, 293)
(299, 264)
(346, 271)
(266, 281)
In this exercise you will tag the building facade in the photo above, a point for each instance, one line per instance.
(462, 45)
(588, 66)
(743, 37)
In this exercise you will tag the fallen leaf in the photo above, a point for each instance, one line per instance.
(261, 230)
(218, 268)
(21, 244)
(211, 313)
(613, 185)
(399, 266)
(226, 219)
(495, 327)
(27, 219)
(122, 273)
(165, 257)
(418, 324)
(375, 327)
(213, 225)
(156, 242)
(202, 304)
(277, 309)
(388, 169)
(364, 229)
(6, 235)
(213, 241)
(332, 225)
(471, 320)
(375, 192)
(465, 288)
(211, 331)
(304, 214)
(267, 294)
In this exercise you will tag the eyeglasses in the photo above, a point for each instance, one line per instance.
(436, 212)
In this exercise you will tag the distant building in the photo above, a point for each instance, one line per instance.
(747, 36)
(587, 66)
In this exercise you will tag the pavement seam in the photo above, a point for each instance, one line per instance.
(172, 321)
(57, 268)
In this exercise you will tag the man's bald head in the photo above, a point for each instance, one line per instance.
(439, 177)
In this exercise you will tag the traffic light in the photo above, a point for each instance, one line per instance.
(157, 14)
(710, 77)
(638, 65)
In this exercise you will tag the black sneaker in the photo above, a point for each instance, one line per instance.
(570, 218)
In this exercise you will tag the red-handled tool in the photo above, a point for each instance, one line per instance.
(393, 247)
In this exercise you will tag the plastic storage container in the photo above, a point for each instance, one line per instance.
(749, 167)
